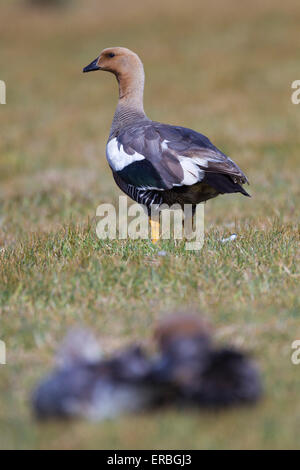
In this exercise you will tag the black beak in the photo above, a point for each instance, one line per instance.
(92, 66)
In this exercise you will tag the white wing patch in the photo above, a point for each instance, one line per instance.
(191, 172)
(118, 158)
(164, 144)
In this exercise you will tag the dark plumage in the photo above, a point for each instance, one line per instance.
(81, 386)
(172, 155)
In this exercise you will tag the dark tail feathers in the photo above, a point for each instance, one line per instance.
(223, 184)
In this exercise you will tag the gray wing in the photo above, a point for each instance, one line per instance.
(199, 149)
(164, 156)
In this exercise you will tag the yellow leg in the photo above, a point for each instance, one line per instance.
(154, 225)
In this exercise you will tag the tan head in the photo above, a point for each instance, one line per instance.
(126, 66)
(180, 325)
(118, 60)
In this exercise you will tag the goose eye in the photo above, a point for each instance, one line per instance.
(111, 54)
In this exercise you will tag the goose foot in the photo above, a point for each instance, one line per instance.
(154, 225)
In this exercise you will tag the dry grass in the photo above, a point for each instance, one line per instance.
(224, 68)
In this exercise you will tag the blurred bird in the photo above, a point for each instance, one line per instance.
(188, 370)
(83, 385)
(202, 374)
(156, 163)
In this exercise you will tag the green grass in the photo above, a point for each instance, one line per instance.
(223, 69)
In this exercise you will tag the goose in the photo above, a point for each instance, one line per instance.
(155, 163)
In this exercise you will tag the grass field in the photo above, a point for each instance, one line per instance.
(223, 68)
